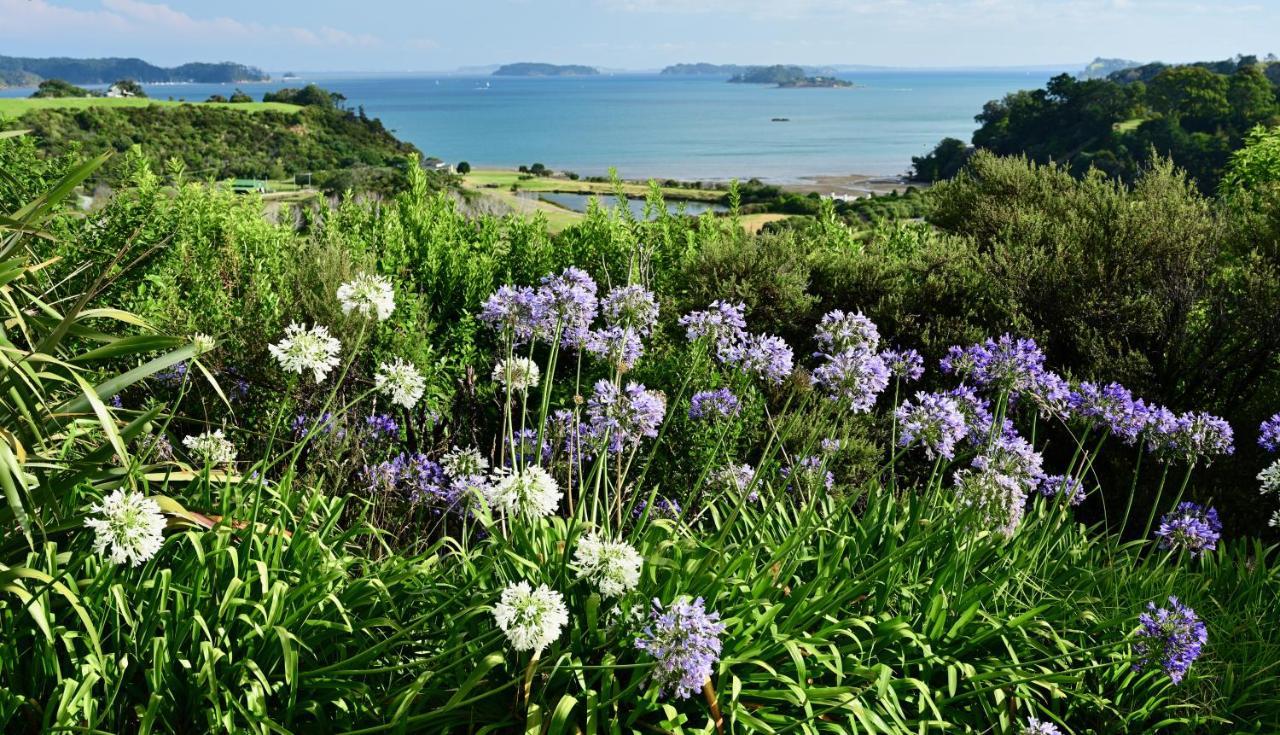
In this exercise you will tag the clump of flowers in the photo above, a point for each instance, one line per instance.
(400, 381)
(381, 425)
(459, 462)
(529, 493)
(518, 374)
(624, 416)
(935, 421)
(416, 477)
(305, 349)
(631, 307)
(668, 508)
(569, 302)
(1270, 478)
(1170, 638)
(1190, 527)
(716, 404)
(619, 346)
(906, 365)
(129, 529)
(367, 295)
(613, 566)
(531, 618)
(211, 447)
(1269, 434)
(1191, 437)
(999, 481)
(1110, 408)
(764, 356)
(1039, 727)
(856, 375)
(685, 640)
(516, 313)
(523, 447)
(808, 475)
(1054, 486)
(323, 424)
(722, 323)
(839, 332)
(738, 478)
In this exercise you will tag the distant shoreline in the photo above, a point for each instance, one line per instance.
(804, 183)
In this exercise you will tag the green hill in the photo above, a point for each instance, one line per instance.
(527, 69)
(20, 71)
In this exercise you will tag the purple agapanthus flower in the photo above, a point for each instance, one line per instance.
(906, 365)
(808, 475)
(668, 508)
(1111, 408)
(1036, 726)
(721, 323)
(1007, 363)
(618, 346)
(324, 424)
(999, 481)
(625, 417)
(572, 435)
(414, 477)
(174, 376)
(761, 355)
(685, 640)
(1055, 486)
(1170, 638)
(568, 304)
(935, 421)
(1190, 527)
(856, 376)
(524, 446)
(839, 331)
(830, 446)
(977, 415)
(1192, 437)
(632, 307)
(712, 405)
(738, 478)
(517, 313)
(381, 426)
(1269, 434)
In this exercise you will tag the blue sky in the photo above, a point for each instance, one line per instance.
(391, 35)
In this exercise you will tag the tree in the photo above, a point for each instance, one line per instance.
(239, 97)
(538, 169)
(1257, 164)
(216, 98)
(943, 162)
(463, 168)
(1252, 98)
(1193, 95)
(59, 88)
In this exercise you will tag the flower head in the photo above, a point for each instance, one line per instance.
(685, 640)
(738, 479)
(1190, 527)
(935, 421)
(1269, 434)
(999, 481)
(625, 416)
(517, 373)
(130, 527)
(1053, 486)
(1039, 727)
(632, 307)
(414, 477)
(762, 355)
(211, 447)
(1170, 638)
(381, 425)
(838, 331)
(530, 493)
(459, 462)
(621, 347)
(400, 381)
(662, 508)
(531, 618)
(203, 343)
(809, 475)
(368, 295)
(1110, 408)
(1010, 364)
(1270, 478)
(516, 313)
(613, 566)
(721, 323)
(569, 305)
(905, 365)
(307, 349)
(856, 375)
(1192, 437)
(712, 405)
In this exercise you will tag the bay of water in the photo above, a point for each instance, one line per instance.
(666, 126)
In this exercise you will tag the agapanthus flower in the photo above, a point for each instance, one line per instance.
(685, 640)
(307, 349)
(1039, 727)
(856, 376)
(721, 323)
(632, 307)
(808, 475)
(1275, 520)
(739, 479)
(515, 312)
(1269, 434)
(531, 618)
(1270, 478)
(174, 376)
(668, 508)
(621, 347)
(415, 477)
(838, 331)
(460, 462)
(323, 424)
(1009, 364)
(977, 414)
(367, 295)
(762, 355)
(999, 481)
(829, 445)
(613, 566)
(1050, 393)
(211, 447)
(905, 365)
(1170, 638)
(1192, 437)
(524, 447)
(712, 405)
(935, 421)
(517, 373)
(129, 528)
(1190, 527)
(1054, 486)
(400, 381)
(203, 343)
(569, 304)
(626, 416)
(529, 493)
(381, 425)
(1111, 408)
(572, 435)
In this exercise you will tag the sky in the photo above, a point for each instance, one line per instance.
(421, 35)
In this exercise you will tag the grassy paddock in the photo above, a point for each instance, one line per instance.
(16, 106)
(505, 179)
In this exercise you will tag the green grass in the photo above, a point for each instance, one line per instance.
(14, 107)
(1128, 126)
(502, 178)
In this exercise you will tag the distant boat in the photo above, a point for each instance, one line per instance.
(780, 119)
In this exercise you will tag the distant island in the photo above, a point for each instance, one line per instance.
(527, 69)
(787, 77)
(1101, 68)
(704, 69)
(28, 72)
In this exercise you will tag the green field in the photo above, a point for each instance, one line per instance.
(13, 107)
(504, 179)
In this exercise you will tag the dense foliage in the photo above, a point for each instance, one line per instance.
(426, 473)
(18, 70)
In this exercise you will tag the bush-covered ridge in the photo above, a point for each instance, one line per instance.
(16, 71)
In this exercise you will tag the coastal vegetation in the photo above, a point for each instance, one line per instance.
(18, 71)
(384, 467)
(529, 69)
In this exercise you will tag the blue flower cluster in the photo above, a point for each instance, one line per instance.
(685, 640)
(1190, 527)
(711, 405)
(1170, 638)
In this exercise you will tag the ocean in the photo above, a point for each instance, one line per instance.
(648, 125)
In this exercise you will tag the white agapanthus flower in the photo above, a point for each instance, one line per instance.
(368, 295)
(531, 618)
(531, 493)
(307, 349)
(613, 566)
(203, 343)
(1270, 478)
(517, 373)
(212, 447)
(129, 528)
(459, 462)
(1275, 519)
(401, 382)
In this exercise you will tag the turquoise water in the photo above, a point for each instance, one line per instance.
(676, 127)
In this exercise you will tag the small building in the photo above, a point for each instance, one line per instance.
(435, 164)
(249, 186)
